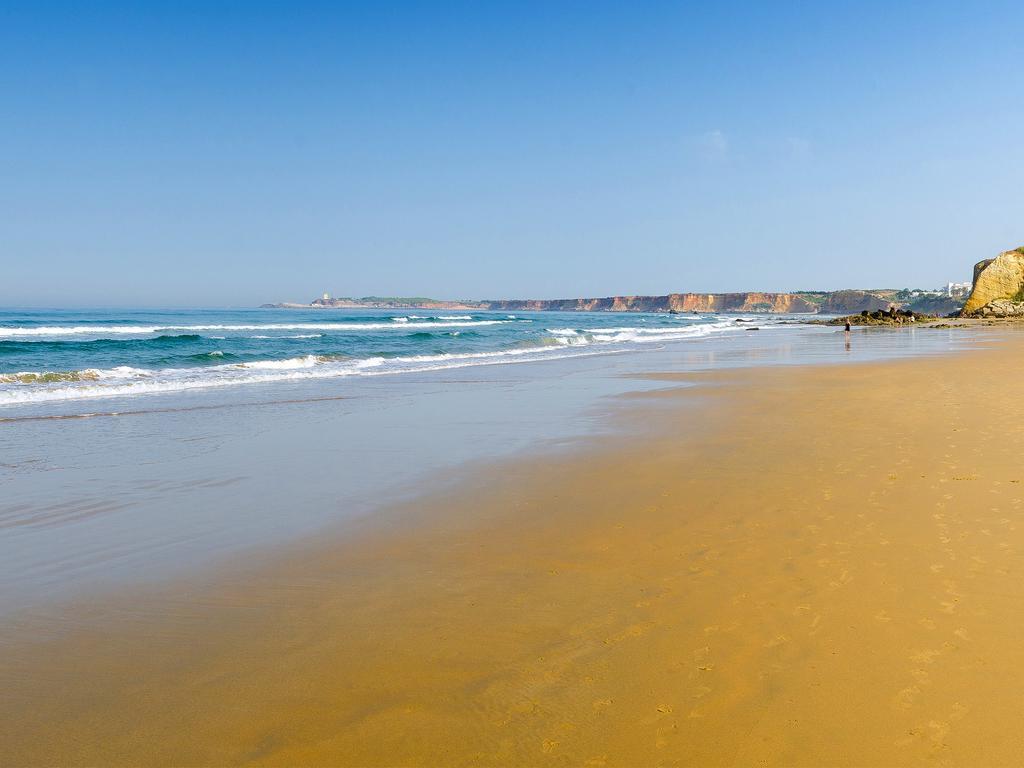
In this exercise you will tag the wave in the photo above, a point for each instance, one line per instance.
(407, 318)
(177, 338)
(141, 330)
(48, 377)
(636, 334)
(306, 361)
(293, 336)
(164, 339)
(125, 381)
(221, 370)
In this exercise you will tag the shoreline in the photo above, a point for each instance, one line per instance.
(546, 605)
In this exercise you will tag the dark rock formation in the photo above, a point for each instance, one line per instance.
(892, 316)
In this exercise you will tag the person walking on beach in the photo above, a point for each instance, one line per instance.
(846, 335)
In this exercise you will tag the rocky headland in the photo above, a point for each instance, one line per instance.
(998, 289)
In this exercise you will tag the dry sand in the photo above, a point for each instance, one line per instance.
(799, 566)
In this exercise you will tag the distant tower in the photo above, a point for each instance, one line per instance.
(327, 297)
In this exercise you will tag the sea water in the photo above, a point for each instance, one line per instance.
(74, 356)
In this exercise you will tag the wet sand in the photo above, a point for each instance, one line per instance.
(788, 566)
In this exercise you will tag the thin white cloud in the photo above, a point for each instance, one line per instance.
(713, 144)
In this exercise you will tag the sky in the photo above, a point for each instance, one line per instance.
(230, 154)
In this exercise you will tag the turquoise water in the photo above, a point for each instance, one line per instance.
(51, 356)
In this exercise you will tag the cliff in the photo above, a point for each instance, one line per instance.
(847, 302)
(673, 302)
(936, 305)
(805, 302)
(997, 279)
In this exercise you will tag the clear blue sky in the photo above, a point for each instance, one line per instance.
(234, 153)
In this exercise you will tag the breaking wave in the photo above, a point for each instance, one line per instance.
(142, 330)
(127, 381)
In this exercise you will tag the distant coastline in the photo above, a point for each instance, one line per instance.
(378, 302)
(938, 302)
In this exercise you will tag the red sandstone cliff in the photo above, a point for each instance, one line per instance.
(677, 302)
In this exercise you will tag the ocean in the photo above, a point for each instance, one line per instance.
(61, 356)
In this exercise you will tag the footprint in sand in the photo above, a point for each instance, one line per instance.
(842, 580)
(938, 730)
(904, 699)
(814, 625)
(958, 711)
(921, 676)
(926, 656)
(634, 630)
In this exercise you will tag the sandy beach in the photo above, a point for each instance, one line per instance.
(813, 565)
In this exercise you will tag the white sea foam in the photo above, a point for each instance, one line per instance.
(635, 334)
(407, 318)
(306, 361)
(126, 381)
(292, 336)
(142, 330)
